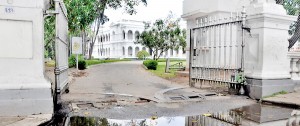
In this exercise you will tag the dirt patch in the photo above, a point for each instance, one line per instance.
(79, 74)
(180, 80)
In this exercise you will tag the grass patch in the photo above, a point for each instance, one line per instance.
(94, 62)
(275, 94)
(172, 60)
(89, 62)
(160, 71)
(50, 63)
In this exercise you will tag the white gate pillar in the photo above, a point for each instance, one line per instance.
(267, 66)
(23, 87)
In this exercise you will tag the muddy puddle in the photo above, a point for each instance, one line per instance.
(253, 115)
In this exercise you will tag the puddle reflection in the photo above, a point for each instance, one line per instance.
(163, 121)
(254, 115)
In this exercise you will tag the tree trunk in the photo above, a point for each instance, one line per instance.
(296, 34)
(91, 50)
(160, 54)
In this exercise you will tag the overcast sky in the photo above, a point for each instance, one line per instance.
(154, 10)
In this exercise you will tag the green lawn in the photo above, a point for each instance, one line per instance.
(160, 71)
(89, 62)
(94, 62)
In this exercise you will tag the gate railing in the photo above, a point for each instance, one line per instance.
(61, 48)
(216, 51)
(295, 65)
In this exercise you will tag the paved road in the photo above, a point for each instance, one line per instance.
(121, 78)
(130, 78)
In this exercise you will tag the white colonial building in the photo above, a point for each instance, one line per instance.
(118, 41)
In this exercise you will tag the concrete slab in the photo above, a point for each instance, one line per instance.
(32, 120)
(288, 99)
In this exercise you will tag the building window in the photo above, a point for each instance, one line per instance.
(137, 35)
(123, 49)
(130, 35)
(137, 49)
(124, 34)
(129, 51)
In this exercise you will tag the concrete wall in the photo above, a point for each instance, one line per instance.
(23, 87)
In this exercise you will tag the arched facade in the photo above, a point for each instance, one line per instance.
(118, 41)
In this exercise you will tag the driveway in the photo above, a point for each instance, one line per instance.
(125, 78)
(126, 90)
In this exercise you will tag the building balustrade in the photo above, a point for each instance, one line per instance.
(295, 65)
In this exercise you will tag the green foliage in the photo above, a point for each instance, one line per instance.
(49, 37)
(82, 64)
(240, 78)
(163, 35)
(94, 62)
(160, 71)
(275, 94)
(292, 7)
(72, 60)
(82, 13)
(142, 54)
(89, 15)
(151, 64)
(172, 60)
(89, 121)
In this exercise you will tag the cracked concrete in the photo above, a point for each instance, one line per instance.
(126, 90)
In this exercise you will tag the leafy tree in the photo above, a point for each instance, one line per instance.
(292, 7)
(100, 18)
(163, 35)
(82, 14)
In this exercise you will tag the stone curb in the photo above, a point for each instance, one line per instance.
(282, 103)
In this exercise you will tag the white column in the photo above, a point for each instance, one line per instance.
(267, 48)
(266, 63)
(23, 87)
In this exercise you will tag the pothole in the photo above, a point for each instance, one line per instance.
(177, 98)
(85, 105)
(211, 94)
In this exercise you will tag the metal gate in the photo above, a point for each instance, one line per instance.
(61, 48)
(216, 51)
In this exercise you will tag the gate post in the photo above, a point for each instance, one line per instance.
(267, 67)
(23, 87)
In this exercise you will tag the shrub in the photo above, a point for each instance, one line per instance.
(72, 61)
(81, 64)
(150, 64)
(142, 54)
